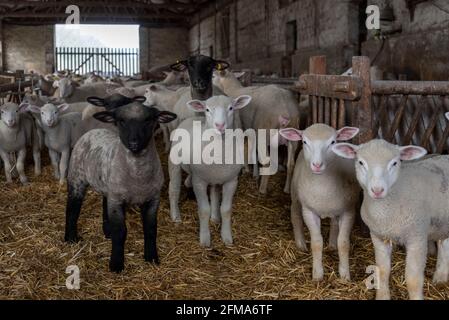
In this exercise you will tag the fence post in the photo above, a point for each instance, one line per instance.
(362, 112)
(317, 65)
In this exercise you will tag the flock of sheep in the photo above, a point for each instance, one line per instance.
(101, 134)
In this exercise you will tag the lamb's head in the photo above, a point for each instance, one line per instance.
(49, 113)
(219, 110)
(10, 113)
(136, 124)
(317, 143)
(222, 76)
(200, 69)
(152, 92)
(66, 87)
(378, 163)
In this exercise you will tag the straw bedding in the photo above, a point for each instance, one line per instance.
(263, 263)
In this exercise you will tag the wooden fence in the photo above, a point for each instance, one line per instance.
(102, 61)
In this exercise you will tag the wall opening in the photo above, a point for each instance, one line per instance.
(107, 50)
(225, 28)
(291, 37)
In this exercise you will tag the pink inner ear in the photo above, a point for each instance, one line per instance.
(347, 133)
(347, 150)
(410, 153)
(198, 106)
(291, 134)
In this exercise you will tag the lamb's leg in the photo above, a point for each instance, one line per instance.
(414, 268)
(200, 189)
(174, 190)
(21, 156)
(333, 234)
(63, 165)
(292, 146)
(7, 165)
(106, 226)
(441, 274)
(229, 189)
(432, 248)
(166, 134)
(37, 158)
(382, 250)
(215, 204)
(345, 223)
(297, 223)
(54, 157)
(75, 197)
(149, 221)
(254, 160)
(264, 184)
(313, 223)
(116, 218)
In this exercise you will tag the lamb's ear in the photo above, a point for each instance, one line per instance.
(197, 105)
(412, 153)
(96, 101)
(447, 115)
(241, 102)
(345, 150)
(166, 116)
(291, 134)
(221, 65)
(55, 84)
(347, 133)
(140, 99)
(179, 65)
(24, 107)
(32, 108)
(63, 107)
(105, 116)
(153, 88)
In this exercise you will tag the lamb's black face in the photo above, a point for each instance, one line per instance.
(136, 124)
(200, 69)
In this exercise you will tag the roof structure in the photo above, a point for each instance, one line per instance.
(158, 13)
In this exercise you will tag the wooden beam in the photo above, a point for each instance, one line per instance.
(2, 45)
(81, 3)
(164, 15)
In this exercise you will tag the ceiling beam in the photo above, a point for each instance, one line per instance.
(93, 15)
(81, 3)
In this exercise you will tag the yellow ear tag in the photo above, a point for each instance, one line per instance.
(220, 67)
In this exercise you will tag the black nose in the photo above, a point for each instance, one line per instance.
(133, 146)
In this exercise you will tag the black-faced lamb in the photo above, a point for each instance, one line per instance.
(125, 168)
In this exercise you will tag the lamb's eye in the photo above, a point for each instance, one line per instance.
(395, 164)
(207, 110)
(361, 163)
(305, 142)
(333, 142)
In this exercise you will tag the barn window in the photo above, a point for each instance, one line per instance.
(104, 49)
(224, 33)
(291, 34)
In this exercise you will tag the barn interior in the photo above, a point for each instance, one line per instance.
(279, 42)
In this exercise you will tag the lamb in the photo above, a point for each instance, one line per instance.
(17, 131)
(200, 69)
(125, 168)
(163, 99)
(404, 203)
(271, 108)
(325, 186)
(70, 91)
(219, 117)
(61, 134)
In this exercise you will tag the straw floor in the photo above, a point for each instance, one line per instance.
(263, 263)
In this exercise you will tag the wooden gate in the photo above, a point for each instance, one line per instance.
(401, 112)
(102, 61)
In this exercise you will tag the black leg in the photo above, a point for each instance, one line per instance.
(149, 219)
(106, 226)
(75, 197)
(116, 215)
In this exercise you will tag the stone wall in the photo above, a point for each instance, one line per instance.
(257, 34)
(162, 46)
(29, 48)
(418, 48)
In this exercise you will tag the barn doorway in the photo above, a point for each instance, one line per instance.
(107, 50)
